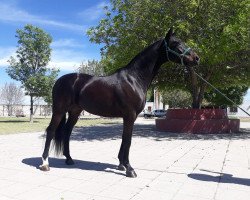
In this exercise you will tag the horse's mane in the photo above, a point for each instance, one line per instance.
(146, 50)
(139, 55)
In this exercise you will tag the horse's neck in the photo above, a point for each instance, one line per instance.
(146, 64)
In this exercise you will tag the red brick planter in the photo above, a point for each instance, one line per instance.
(197, 121)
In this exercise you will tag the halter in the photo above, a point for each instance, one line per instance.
(181, 56)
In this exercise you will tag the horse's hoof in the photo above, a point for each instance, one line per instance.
(131, 174)
(69, 162)
(121, 167)
(44, 168)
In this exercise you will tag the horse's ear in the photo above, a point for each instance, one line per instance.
(169, 34)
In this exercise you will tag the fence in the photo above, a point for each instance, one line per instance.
(24, 110)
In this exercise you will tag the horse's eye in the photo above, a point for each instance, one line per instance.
(179, 49)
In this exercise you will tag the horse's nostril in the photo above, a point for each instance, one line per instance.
(197, 58)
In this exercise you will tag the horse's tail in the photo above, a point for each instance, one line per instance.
(59, 136)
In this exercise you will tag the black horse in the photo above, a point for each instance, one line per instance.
(122, 94)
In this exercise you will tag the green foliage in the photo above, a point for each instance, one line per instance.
(235, 93)
(92, 67)
(216, 29)
(150, 94)
(29, 66)
(177, 98)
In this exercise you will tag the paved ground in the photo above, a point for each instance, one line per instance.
(169, 166)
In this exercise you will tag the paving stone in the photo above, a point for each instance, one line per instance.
(120, 192)
(149, 194)
(68, 195)
(169, 166)
(223, 194)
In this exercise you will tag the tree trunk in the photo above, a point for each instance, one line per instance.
(203, 88)
(198, 90)
(8, 109)
(201, 94)
(195, 90)
(31, 109)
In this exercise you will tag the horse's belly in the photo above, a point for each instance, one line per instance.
(100, 104)
(104, 111)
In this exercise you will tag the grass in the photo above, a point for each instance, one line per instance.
(244, 119)
(10, 125)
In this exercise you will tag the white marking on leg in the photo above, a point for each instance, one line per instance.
(45, 162)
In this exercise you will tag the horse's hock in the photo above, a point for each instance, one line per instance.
(197, 121)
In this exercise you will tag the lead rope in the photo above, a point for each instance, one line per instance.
(181, 56)
(221, 93)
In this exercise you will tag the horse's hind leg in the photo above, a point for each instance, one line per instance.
(55, 121)
(72, 119)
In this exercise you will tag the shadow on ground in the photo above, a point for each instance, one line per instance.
(79, 164)
(114, 131)
(220, 178)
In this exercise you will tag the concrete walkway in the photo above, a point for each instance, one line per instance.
(169, 166)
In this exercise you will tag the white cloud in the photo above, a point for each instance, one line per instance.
(66, 43)
(65, 65)
(66, 59)
(10, 13)
(67, 54)
(94, 12)
(5, 53)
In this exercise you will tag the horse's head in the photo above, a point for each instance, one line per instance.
(178, 52)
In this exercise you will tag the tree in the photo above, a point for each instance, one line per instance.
(29, 66)
(92, 67)
(11, 95)
(217, 30)
(176, 98)
(236, 93)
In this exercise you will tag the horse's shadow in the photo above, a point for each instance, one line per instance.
(79, 164)
(220, 178)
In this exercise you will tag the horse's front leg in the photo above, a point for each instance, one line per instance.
(123, 156)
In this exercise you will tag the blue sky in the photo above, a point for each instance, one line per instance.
(66, 21)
